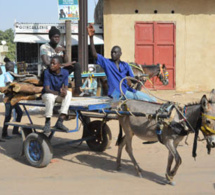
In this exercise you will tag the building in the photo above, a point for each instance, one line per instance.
(30, 36)
(178, 33)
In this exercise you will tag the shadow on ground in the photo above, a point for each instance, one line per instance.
(81, 155)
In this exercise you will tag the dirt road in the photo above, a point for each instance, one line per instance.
(77, 170)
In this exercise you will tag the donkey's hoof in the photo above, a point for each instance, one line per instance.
(172, 183)
(168, 177)
(140, 175)
(170, 180)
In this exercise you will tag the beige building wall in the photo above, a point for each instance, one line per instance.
(195, 35)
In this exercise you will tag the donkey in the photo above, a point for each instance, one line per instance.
(141, 71)
(158, 70)
(174, 129)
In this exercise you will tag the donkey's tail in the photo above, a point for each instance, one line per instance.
(120, 138)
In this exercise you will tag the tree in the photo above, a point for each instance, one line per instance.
(8, 36)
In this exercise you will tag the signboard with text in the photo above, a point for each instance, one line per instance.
(43, 28)
(68, 10)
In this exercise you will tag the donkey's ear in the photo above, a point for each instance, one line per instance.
(213, 91)
(212, 96)
(204, 102)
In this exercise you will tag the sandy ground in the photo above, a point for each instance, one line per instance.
(77, 170)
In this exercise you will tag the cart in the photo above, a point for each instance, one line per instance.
(37, 147)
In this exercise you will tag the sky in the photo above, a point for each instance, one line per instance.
(33, 11)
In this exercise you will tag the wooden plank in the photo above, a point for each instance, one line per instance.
(75, 102)
(29, 125)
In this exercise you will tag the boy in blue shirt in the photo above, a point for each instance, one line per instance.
(55, 89)
(116, 70)
(8, 78)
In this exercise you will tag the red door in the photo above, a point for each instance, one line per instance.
(155, 43)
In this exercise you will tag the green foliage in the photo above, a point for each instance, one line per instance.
(8, 36)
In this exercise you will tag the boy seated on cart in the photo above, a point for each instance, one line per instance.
(55, 89)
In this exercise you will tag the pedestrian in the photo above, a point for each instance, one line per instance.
(8, 78)
(89, 88)
(1, 74)
(116, 70)
(53, 48)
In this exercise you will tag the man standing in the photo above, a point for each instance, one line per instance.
(53, 48)
(116, 70)
(8, 78)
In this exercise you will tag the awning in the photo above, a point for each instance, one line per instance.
(27, 38)
(31, 38)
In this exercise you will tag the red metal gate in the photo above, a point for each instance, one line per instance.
(155, 43)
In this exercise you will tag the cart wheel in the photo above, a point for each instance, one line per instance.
(102, 139)
(38, 150)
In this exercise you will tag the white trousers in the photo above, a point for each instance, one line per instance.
(49, 99)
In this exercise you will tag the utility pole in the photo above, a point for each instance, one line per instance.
(68, 40)
(83, 35)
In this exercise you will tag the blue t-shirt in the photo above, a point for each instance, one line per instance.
(8, 78)
(115, 75)
(55, 81)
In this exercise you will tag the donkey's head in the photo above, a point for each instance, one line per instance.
(208, 119)
(163, 74)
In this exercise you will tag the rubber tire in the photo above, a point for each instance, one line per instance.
(97, 144)
(44, 147)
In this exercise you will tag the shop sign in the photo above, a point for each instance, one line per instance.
(42, 28)
(68, 10)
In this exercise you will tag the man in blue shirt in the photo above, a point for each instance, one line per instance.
(55, 89)
(116, 70)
